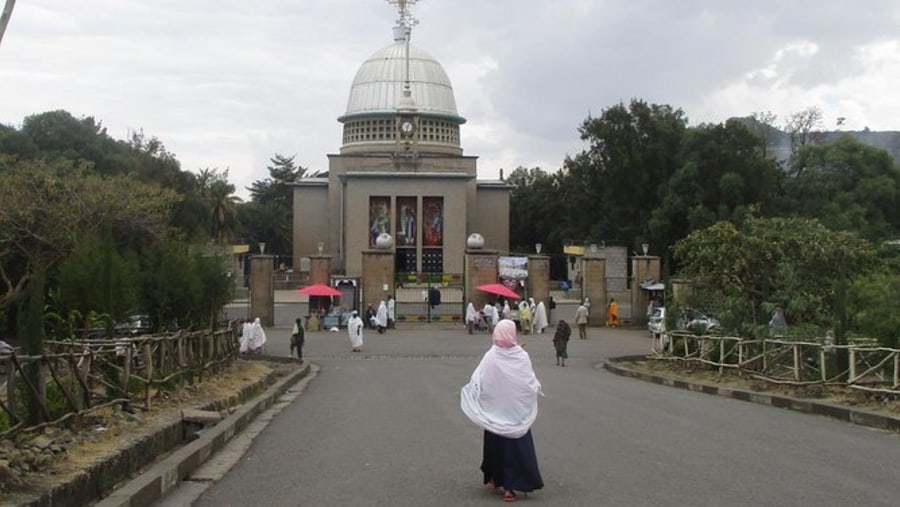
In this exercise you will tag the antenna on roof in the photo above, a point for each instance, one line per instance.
(404, 24)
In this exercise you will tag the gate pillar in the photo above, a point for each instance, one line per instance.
(539, 278)
(262, 289)
(320, 269)
(644, 268)
(593, 269)
(377, 276)
(481, 269)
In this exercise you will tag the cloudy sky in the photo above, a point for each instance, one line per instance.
(228, 83)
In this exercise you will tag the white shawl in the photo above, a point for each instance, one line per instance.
(381, 316)
(471, 315)
(501, 396)
(354, 329)
(540, 318)
(257, 336)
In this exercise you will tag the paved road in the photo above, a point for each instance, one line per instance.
(383, 428)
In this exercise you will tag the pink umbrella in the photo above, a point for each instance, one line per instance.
(318, 289)
(498, 289)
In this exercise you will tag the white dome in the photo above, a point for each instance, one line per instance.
(378, 85)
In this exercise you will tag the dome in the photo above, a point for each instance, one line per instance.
(378, 85)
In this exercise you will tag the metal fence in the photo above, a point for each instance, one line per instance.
(416, 297)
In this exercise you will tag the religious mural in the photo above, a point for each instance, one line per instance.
(433, 221)
(406, 222)
(379, 217)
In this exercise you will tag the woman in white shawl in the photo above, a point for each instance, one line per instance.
(381, 317)
(501, 397)
(471, 317)
(540, 318)
(257, 337)
(354, 329)
(246, 332)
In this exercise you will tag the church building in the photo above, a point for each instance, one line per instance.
(400, 171)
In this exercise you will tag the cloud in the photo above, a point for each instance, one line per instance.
(229, 83)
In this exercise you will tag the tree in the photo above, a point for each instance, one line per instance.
(46, 207)
(219, 196)
(764, 127)
(798, 264)
(722, 176)
(620, 178)
(801, 127)
(847, 185)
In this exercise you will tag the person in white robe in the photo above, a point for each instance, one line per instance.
(501, 397)
(540, 318)
(355, 330)
(246, 331)
(471, 317)
(507, 312)
(525, 317)
(490, 316)
(257, 338)
(391, 312)
(381, 317)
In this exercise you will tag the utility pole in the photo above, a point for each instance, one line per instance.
(4, 18)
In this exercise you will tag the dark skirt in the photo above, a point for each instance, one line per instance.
(511, 463)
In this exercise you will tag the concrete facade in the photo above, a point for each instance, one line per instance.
(400, 153)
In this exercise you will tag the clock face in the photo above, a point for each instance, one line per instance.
(406, 127)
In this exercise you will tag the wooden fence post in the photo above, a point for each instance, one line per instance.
(11, 400)
(796, 349)
(148, 368)
(126, 374)
(852, 378)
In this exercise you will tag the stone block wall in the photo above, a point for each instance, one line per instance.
(377, 273)
(262, 289)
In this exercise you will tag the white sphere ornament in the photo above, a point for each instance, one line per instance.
(475, 241)
(384, 241)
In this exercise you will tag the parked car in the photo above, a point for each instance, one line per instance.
(694, 320)
(688, 319)
(134, 325)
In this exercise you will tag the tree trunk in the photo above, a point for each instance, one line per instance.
(31, 334)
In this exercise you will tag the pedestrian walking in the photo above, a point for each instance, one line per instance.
(355, 330)
(612, 313)
(381, 317)
(561, 342)
(581, 319)
(501, 398)
(256, 343)
(391, 312)
(471, 317)
(297, 338)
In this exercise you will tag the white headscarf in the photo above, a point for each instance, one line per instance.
(257, 336)
(381, 316)
(540, 318)
(470, 312)
(501, 396)
(354, 329)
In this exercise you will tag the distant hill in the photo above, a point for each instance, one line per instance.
(779, 142)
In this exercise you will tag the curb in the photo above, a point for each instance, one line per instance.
(840, 412)
(165, 476)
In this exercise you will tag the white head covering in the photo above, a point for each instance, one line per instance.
(501, 396)
(470, 312)
(257, 335)
(381, 316)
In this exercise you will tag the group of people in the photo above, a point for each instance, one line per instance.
(253, 337)
(533, 318)
(384, 317)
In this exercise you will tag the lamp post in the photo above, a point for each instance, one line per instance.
(537, 247)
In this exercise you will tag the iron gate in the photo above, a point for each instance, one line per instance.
(429, 297)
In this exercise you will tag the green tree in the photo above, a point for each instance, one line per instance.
(798, 264)
(874, 307)
(847, 185)
(722, 176)
(535, 208)
(620, 178)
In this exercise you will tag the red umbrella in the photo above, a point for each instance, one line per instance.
(498, 289)
(318, 289)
